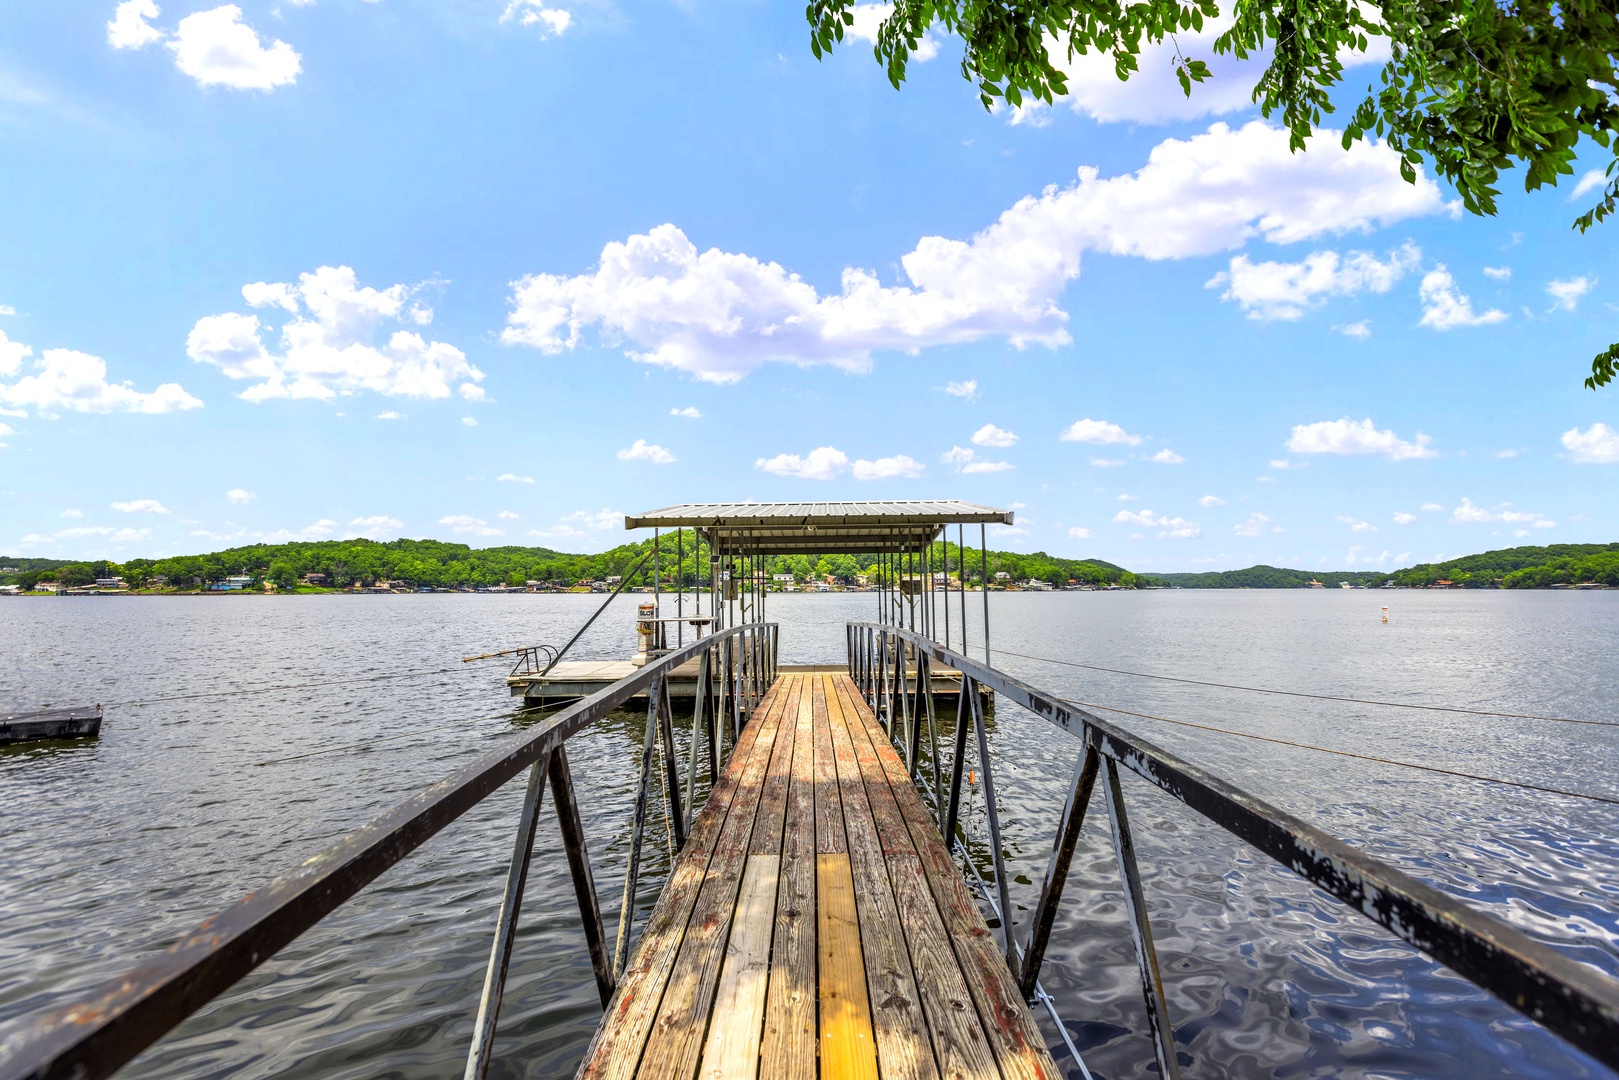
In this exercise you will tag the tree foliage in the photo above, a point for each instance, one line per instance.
(1508, 568)
(1475, 87)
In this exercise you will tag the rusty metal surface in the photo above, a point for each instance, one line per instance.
(1556, 991)
(97, 1034)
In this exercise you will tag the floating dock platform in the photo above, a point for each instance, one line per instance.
(82, 722)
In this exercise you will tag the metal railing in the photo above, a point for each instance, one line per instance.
(1564, 996)
(99, 1033)
(533, 659)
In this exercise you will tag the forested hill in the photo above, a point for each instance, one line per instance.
(436, 564)
(1267, 577)
(1508, 568)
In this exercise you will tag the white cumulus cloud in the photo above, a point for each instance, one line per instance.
(513, 478)
(1173, 527)
(967, 388)
(690, 412)
(328, 344)
(1348, 436)
(140, 506)
(374, 527)
(990, 435)
(551, 21)
(1153, 94)
(641, 450)
(888, 468)
(581, 524)
(217, 48)
(1498, 273)
(467, 525)
(1256, 525)
(129, 28)
(869, 17)
(239, 496)
(1211, 500)
(63, 379)
(319, 530)
(1166, 456)
(1404, 518)
(822, 463)
(1566, 294)
(1098, 433)
(1356, 525)
(721, 315)
(966, 461)
(1597, 445)
(1588, 183)
(1281, 290)
(1445, 307)
(1079, 532)
(1468, 514)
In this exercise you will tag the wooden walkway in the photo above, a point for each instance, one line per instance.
(815, 925)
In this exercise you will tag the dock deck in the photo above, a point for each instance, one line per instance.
(815, 924)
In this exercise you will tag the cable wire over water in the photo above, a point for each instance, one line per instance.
(999, 651)
(1350, 754)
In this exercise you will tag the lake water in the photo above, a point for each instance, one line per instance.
(112, 849)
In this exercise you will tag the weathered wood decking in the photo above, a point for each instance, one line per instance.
(815, 925)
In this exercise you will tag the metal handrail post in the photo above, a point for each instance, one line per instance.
(584, 885)
(666, 727)
(1152, 983)
(511, 903)
(951, 811)
(626, 911)
(1008, 941)
(1062, 854)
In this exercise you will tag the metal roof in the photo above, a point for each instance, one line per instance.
(818, 528)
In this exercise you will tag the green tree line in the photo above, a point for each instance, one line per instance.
(1508, 568)
(437, 564)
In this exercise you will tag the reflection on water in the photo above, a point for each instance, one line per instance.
(113, 849)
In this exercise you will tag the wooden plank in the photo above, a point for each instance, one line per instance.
(732, 1049)
(773, 798)
(847, 1050)
(960, 1045)
(903, 1048)
(1019, 1048)
(615, 1050)
(675, 1043)
(788, 1051)
(829, 836)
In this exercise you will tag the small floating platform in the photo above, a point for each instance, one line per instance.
(815, 926)
(573, 679)
(82, 722)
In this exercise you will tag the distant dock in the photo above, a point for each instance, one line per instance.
(81, 722)
(570, 680)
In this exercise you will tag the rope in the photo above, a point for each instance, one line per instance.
(390, 738)
(1350, 754)
(1301, 694)
(276, 689)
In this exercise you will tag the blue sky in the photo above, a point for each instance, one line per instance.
(500, 272)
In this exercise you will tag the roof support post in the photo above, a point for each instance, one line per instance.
(983, 557)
